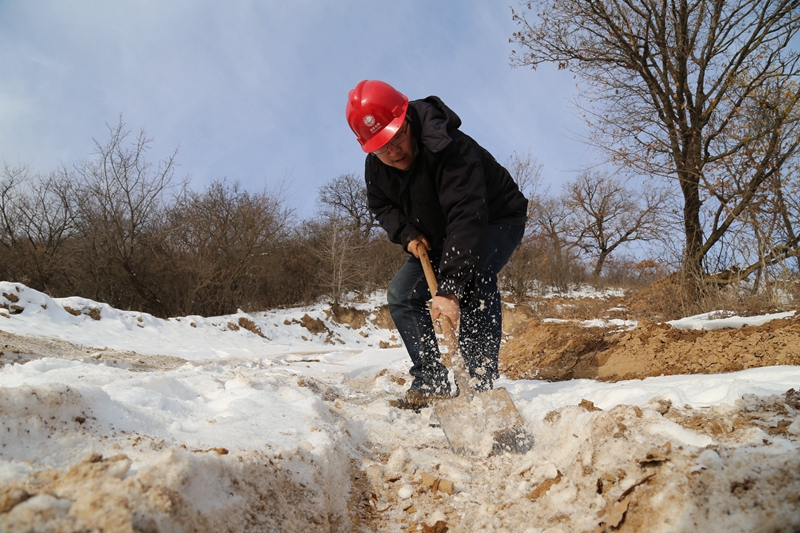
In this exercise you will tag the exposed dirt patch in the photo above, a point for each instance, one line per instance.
(382, 318)
(314, 325)
(358, 318)
(355, 318)
(562, 351)
(552, 351)
(251, 326)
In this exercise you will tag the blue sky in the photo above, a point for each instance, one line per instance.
(255, 90)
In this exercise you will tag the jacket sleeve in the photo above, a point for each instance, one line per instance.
(461, 187)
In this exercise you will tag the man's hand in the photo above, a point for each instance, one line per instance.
(413, 243)
(446, 305)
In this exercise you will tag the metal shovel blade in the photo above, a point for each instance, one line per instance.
(486, 424)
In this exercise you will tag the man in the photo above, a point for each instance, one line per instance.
(429, 183)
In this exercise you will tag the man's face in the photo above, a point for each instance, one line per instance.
(399, 151)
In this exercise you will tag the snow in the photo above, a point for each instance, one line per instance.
(316, 406)
(709, 321)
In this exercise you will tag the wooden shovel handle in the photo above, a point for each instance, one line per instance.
(430, 277)
(450, 338)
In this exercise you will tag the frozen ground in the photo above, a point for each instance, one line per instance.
(280, 421)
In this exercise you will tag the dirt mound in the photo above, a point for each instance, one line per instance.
(562, 351)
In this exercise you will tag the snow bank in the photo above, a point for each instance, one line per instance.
(277, 427)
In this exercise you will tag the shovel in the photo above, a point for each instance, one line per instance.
(475, 423)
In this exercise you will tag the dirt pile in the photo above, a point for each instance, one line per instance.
(567, 350)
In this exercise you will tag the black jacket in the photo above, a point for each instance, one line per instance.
(453, 190)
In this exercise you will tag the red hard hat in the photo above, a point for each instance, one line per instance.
(375, 111)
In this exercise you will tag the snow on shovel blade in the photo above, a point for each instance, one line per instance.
(486, 424)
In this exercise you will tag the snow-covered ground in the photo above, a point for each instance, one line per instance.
(253, 423)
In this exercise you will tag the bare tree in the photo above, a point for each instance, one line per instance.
(519, 276)
(9, 218)
(528, 174)
(557, 254)
(121, 217)
(344, 199)
(36, 223)
(10, 268)
(356, 257)
(220, 240)
(339, 251)
(672, 90)
(607, 213)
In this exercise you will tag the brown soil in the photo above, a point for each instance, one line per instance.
(562, 351)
